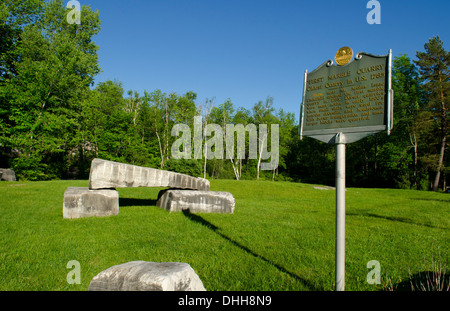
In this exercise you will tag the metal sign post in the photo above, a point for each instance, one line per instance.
(340, 213)
(342, 104)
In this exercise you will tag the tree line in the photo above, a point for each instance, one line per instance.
(54, 120)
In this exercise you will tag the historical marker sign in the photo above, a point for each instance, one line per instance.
(341, 104)
(353, 97)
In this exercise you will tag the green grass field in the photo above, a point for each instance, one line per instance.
(281, 236)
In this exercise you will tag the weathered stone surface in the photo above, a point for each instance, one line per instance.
(82, 202)
(108, 174)
(147, 276)
(7, 174)
(176, 200)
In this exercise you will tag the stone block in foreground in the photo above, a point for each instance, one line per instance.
(147, 276)
(175, 200)
(108, 174)
(82, 202)
(7, 174)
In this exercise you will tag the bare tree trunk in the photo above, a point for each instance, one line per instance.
(205, 154)
(260, 155)
(164, 146)
(208, 106)
(160, 149)
(443, 140)
(235, 168)
(413, 140)
(441, 160)
(444, 188)
(166, 133)
(240, 168)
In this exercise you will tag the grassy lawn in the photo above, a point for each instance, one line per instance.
(281, 236)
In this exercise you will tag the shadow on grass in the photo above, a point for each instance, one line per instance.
(393, 218)
(136, 202)
(425, 281)
(207, 224)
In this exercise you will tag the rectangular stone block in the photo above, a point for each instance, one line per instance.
(108, 174)
(196, 201)
(82, 202)
(147, 276)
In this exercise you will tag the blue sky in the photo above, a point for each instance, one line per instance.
(247, 50)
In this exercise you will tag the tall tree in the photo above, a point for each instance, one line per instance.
(205, 113)
(242, 116)
(56, 65)
(434, 67)
(133, 104)
(222, 115)
(157, 102)
(287, 137)
(15, 15)
(184, 109)
(400, 152)
(263, 114)
(103, 109)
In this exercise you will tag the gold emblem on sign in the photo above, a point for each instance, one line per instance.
(343, 56)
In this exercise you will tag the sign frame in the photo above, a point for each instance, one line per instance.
(351, 134)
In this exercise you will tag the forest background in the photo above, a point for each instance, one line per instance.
(54, 121)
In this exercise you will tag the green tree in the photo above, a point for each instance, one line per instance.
(410, 120)
(434, 67)
(56, 65)
(312, 161)
(157, 103)
(263, 114)
(133, 105)
(242, 116)
(288, 134)
(99, 110)
(148, 151)
(99, 105)
(15, 15)
(206, 109)
(222, 115)
(184, 109)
